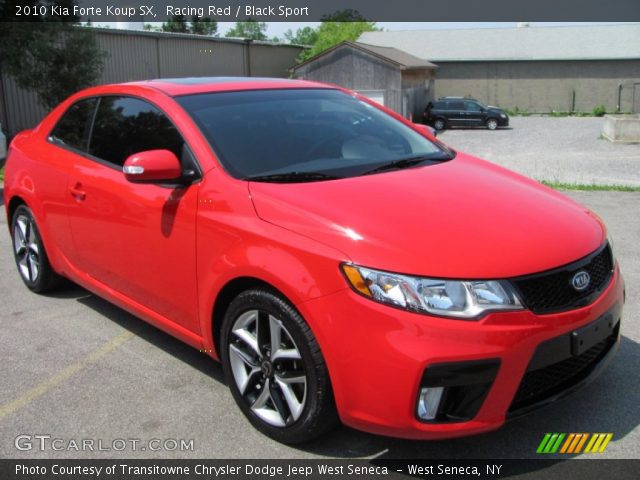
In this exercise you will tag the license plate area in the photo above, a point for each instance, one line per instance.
(586, 337)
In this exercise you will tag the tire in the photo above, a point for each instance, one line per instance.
(439, 124)
(491, 123)
(280, 356)
(29, 253)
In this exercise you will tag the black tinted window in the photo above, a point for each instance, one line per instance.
(440, 105)
(124, 126)
(456, 106)
(73, 128)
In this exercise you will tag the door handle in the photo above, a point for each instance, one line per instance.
(77, 192)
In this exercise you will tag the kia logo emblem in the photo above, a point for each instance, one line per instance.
(581, 280)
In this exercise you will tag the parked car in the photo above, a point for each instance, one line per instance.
(463, 112)
(340, 262)
(3, 147)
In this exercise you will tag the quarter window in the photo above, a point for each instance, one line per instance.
(73, 128)
(125, 125)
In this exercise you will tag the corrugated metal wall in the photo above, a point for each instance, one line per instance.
(144, 55)
(543, 86)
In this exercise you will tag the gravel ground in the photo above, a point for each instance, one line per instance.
(566, 149)
(77, 367)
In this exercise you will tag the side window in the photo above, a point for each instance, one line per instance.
(440, 105)
(472, 107)
(456, 105)
(124, 126)
(72, 129)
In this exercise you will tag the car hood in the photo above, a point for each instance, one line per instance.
(465, 218)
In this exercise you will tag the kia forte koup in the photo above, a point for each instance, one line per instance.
(342, 263)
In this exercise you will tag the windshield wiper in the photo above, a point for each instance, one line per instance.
(292, 177)
(398, 164)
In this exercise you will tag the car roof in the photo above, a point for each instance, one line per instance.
(458, 98)
(195, 85)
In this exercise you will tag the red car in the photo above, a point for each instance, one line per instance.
(342, 263)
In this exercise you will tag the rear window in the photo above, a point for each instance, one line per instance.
(267, 132)
(73, 128)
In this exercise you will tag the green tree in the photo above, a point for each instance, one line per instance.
(203, 26)
(52, 58)
(345, 15)
(302, 36)
(177, 24)
(331, 33)
(250, 29)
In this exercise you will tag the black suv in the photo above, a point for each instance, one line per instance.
(463, 112)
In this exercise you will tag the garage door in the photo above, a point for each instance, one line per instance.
(375, 95)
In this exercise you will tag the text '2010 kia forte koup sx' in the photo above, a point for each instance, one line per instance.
(342, 263)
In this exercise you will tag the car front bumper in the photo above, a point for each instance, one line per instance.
(378, 358)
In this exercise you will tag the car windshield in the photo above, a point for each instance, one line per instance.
(305, 135)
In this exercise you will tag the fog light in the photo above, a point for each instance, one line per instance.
(429, 402)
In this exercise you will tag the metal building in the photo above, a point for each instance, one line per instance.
(536, 69)
(140, 55)
(389, 76)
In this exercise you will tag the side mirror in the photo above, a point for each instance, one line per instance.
(152, 166)
(426, 130)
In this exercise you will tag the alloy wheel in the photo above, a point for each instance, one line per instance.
(25, 244)
(267, 368)
(492, 124)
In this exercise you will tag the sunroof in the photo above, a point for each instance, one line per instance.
(203, 80)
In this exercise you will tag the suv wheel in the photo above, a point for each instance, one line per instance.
(274, 368)
(439, 124)
(492, 124)
(29, 253)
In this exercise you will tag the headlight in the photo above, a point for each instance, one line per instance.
(503, 115)
(447, 298)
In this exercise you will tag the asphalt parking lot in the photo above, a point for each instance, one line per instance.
(75, 367)
(565, 149)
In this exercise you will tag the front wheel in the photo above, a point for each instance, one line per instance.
(492, 124)
(29, 253)
(275, 369)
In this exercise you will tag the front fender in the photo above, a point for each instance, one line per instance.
(298, 267)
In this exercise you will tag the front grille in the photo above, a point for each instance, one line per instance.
(543, 383)
(552, 291)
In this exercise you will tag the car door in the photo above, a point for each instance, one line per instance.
(456, 113)
(474, 113)
(137, 239)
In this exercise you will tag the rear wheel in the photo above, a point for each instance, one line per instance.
(439, 124)
(29, 253)
(275, 369)
(492, 124)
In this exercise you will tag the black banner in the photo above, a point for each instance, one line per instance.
(315, 10)
(549, 469)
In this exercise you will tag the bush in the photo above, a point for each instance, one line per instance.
(599, 111)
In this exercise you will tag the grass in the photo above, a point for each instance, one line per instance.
(2, 174)
(590, 187)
